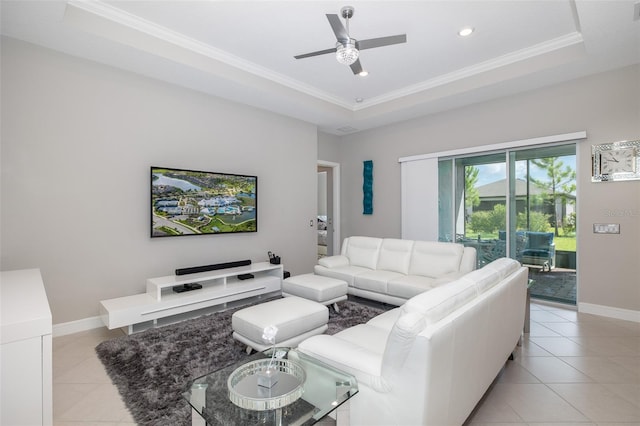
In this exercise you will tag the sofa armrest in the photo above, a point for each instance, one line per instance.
(365, 365)
(468, 262)
(399, 344)
(334, 261)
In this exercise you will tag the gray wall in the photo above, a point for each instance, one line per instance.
(607, 106)
(329, 147)
(78, 139)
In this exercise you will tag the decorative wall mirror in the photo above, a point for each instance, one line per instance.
(615, 161)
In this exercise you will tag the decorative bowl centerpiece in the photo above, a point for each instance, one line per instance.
(269, 383)
(245, 392)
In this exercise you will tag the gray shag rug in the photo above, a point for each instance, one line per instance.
(153, 368)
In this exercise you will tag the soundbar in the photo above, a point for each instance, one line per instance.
(214, 267)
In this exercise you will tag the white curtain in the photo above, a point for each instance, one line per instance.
(419, 192)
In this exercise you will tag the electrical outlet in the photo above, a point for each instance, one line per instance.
(606, 228)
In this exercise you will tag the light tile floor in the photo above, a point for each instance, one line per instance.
(571, 369)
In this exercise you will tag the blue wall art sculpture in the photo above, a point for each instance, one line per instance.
(367, 187)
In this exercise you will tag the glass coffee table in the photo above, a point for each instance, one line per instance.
(323, 390)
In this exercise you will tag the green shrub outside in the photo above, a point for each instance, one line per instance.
(486, 225)
(490, 222)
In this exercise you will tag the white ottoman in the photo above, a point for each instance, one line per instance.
(296, 319)
(320, 289)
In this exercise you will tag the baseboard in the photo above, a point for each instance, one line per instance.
(553, 304)
(72, 327)
(609, 311)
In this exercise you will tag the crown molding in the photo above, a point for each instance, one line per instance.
(490, 65)
(121, 17)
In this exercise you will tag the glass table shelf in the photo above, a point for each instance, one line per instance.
(324, 389)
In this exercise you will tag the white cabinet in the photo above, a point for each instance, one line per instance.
(25, 350)
(161, 305)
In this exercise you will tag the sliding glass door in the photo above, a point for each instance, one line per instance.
(477, 204)
(518, 204)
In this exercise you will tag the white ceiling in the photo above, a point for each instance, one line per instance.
(244, 51)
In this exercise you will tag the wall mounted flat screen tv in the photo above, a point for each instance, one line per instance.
(190, 202)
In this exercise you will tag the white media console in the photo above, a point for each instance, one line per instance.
(160, 305)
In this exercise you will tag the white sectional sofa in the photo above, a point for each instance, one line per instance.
(392, 270)
(431, 360)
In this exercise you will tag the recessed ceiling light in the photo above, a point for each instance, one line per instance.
(347, 129)
(359, 100)
(363, 73)
(465, 32)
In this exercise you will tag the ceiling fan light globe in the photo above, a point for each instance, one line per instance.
(347, 54)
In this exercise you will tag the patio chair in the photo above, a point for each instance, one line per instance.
(540, 250)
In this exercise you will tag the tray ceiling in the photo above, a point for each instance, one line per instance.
(244, 51)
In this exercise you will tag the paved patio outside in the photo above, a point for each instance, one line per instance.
(558, 285)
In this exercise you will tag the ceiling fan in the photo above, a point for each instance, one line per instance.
(348, 49)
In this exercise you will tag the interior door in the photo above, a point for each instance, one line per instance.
(325, 212)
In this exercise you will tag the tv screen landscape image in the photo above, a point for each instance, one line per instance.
(190, 202)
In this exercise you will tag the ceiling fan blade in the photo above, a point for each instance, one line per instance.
(319, 52)
(356, 67)
(338, 29)
(381, 41)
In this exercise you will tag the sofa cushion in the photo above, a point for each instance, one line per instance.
(434, 259)
(410, 285)
(366, 336)
(437, 282)
(395, 255)
(375, 281)
(364, 251)
(483, 279)
(344, 273)
(440, 302)
(347, 356)
(504, 266)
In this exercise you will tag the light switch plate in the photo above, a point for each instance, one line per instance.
(606, 228)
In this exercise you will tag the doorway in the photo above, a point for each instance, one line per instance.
(328, 210)
(516, 203)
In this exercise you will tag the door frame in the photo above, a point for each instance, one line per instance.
(335, 213)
